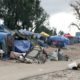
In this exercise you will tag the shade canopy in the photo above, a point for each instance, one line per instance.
(68, 35)
(44, 34)
(59, 38)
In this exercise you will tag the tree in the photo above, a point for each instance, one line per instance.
(76, 7)
(61, 32)
(40, 17)
(54, 32)
(27, 11)
(43, 29)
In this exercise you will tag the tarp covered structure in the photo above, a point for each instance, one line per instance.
(42, 43)
(4, 34)
(37, 35)
(25, 32)
(21, 46)
(68, 35)
(59, 38)
(44, 34)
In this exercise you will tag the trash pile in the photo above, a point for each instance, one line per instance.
(58, 55)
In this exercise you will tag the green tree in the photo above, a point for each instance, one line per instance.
(28, 11)
(76, 7)
(54, 32)
(61, 32)
(40, 17)
(43, 29)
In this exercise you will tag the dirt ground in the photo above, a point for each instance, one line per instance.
(73, 51)
(60, 75)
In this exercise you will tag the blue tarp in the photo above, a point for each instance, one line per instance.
(25, 32)
(59, 38)
(42, 43)
(37, 35)
(3, 35)
(65, 40)
(21, 46)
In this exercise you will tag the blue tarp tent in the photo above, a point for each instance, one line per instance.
(25, 32)
(37, 35)
(42, 43)
(21, 46)
(4, 34)
(66, 40)
(59, 38)
(59, 41)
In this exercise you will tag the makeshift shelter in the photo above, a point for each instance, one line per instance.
(25, 32)
(37, 35)
(59, 40)
(68, 35)
(44, 34)
(78, 36)
(42, 43)
(22, 46)
(4, 44)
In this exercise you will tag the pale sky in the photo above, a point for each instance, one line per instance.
(61, 14)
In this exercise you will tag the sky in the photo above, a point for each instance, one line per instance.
(61, 15)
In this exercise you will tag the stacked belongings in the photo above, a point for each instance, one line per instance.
(37, 55)
(57, 55)
(42, 43)
(21, 45)
(24, 51)
(20, 48)
(43, 39)
(4, 44)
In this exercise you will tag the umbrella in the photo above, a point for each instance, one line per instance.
(56, 38)
(59, 38)
(44, 34)
(68, 35)
(66, 40)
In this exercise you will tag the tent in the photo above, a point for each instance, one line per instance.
(21, 46)
(66, 40)
(44, 34)
(42, 43)
(59, 38)
(37, 35)
(68, 35)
